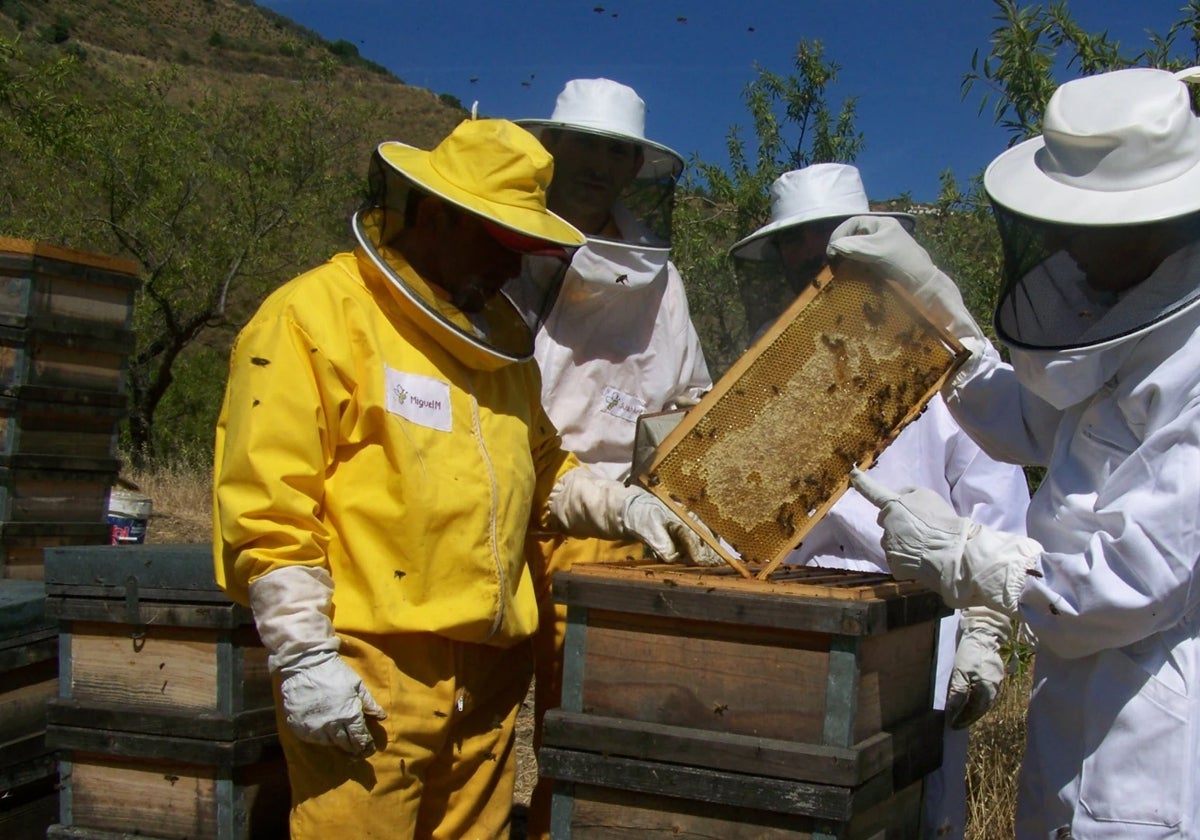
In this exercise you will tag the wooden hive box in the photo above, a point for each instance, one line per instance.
(28, 679)
(164, 710)
(59, 422)
(41, 488)
(701, 704)
(43, 285)
(22, 544)
(59, 358)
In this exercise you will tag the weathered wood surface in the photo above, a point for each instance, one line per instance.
(758, 681)
(915, 743)
(26, 812)
(55, 358)
(115, 718)
(106, 796)
(166, 667)
(182, 572)
(22, 544)
(811, 603)
(57, 421)
(606, 814)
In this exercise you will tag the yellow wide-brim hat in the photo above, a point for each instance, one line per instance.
(491, 168)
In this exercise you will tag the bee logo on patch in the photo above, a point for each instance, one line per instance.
(612, 402)
(400, 394)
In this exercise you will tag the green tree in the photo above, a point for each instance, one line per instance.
(218, 201)
(1033, 44)
(794, 125)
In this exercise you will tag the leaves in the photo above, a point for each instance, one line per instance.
(219, 199)
(794, 126)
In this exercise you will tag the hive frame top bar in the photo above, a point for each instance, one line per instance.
(765, 454)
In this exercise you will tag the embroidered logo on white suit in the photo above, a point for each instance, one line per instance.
(619, 404)
(419, 399)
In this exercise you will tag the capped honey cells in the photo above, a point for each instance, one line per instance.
(769, 450)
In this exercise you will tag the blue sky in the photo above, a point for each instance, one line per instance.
(691, 59)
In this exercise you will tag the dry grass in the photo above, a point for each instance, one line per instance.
(995, 753)
(182, 504)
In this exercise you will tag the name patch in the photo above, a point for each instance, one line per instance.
(418, 399)
(619, 404)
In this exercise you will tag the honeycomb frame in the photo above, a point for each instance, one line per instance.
(753, 466)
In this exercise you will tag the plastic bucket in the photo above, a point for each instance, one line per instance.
(128, 513)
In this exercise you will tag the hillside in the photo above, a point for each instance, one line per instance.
(222, 45)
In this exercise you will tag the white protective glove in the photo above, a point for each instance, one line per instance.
(585, 505)
(968, 564)
(324, 700)
(978, 665)
(688, 399)
(882, 243)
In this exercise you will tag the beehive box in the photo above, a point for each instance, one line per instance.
(22, 544)
(41, 488)
(164, 710)
(43, 285)
(769, 449)
(61, 358)
(59, 422)
(700, 703)
(28, 679)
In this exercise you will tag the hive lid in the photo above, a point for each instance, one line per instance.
(184, 570)
(768, 451)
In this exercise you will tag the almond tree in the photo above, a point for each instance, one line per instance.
(219, 198)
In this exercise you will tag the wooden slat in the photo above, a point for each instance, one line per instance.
(698, 784)
(117, 718)
(157, 568)
(769, 607)
(44, 250)
(139, 745)
(24, 762)
(718, 750)
(211, 614)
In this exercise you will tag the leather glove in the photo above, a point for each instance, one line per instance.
(978, 665)
(968, 564)
(324, 700)
(585, 505)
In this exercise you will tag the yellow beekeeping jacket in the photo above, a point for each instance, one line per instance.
(351, 440)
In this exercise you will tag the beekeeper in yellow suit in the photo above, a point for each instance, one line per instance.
(380, 454)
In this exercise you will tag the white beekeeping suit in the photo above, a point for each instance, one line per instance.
(619, 340)
(1100, 219)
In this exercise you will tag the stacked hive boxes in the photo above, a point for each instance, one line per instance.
(164, 719)
(29, 677)
(65, 336)
(696, 703)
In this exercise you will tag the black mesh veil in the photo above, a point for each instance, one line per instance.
(1047, 302)
(500, 330)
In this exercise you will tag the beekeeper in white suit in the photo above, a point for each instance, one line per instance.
(806, 206)
(1100, 309)
(618, 340)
